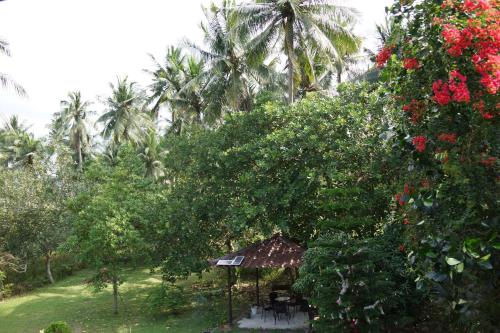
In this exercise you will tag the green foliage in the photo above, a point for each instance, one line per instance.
(110, 218)
(58, 327)
(359, 283)
(168, 299)
(297, 169)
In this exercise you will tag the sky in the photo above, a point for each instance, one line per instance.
(59, 46)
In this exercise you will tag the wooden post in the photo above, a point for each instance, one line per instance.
(257, 286)
(230, 301)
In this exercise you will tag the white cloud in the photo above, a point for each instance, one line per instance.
(63, 45)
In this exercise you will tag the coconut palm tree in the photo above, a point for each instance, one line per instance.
(299, 24)
(125, 118)
(73, 122)
(232, 69)
(17, 146)
(151, 154)
(179, 84)
(5, 80)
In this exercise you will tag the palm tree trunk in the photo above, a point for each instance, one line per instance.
(289, 46)
(79, 150)
(339, 76)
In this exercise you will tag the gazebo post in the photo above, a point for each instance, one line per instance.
(257, 285)
(230, 301)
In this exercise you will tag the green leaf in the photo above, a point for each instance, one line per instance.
(452, 261)
(460, 267)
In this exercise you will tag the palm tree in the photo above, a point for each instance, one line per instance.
(17, 146)
(232, 69)
(73, 121)
(151, 154)
(299, 24)
(5, 80)
(125, 118)
(179, 83)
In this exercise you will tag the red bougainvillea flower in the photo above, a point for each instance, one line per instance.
(419, 143)
(406, 221)
(411, 63)
(456, 40)
(402, 248)
(480, 106)
(447, 137)
(441, 92)
(383, 56)
(489, 161)
(416, 109)
(406, 189)
(458, 87)
(473, 5)
(399, 198)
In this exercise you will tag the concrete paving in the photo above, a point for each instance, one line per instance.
(298, 322)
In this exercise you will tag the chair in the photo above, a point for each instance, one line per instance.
(270, 306)
(280, 308)
(295, 303)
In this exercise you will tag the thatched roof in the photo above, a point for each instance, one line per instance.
(276, 251)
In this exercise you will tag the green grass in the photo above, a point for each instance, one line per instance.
(72, 301)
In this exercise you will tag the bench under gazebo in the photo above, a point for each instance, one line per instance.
(274, 252)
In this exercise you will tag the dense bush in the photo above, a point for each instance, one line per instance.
(168, 299)
(58, 327)
(359, 283)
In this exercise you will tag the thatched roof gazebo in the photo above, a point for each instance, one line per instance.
(277, 252)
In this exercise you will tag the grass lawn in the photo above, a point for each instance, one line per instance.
(72, 301)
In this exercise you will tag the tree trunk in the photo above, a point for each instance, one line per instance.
(339, 76)
(115, 295)
(47, 268)
(289, 46)
(79, 150)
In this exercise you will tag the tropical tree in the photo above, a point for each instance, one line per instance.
(73, 121)
(125, 118)
(299, 24)
(151, 155)
(233, 70)
(5, 80)
(178, 84)
(18, 147)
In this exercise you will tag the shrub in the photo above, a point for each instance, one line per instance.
(358, 284)
(167, 299)
(58, 327)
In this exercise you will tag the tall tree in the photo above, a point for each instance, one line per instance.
(18, 147)
(179, 84)
(125, 118)
(299, 24)
(233, 70)
(73, 121)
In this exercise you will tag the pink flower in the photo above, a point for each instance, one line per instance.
(458, 87)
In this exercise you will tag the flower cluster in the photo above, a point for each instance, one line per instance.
(383, 56)
(419, 143)
(454, 90)
(457, 40)
(416, 109)
(447, 137)
(411, 63)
